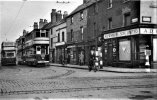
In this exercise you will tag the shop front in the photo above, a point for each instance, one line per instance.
(74, 52)
(60, 52)
(133, 48)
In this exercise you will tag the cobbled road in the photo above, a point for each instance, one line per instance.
(56, 82)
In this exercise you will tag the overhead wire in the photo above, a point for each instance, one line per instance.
(14, 21)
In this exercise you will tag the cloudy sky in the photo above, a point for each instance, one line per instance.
(16, 15)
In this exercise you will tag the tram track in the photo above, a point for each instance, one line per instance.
(74, 89)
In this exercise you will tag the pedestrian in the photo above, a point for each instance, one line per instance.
(81, 58)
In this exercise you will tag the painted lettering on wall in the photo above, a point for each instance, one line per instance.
(148, 31)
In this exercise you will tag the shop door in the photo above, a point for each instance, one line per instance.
(109, 55)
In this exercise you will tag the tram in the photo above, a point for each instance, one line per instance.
(8, 53)
(36, 60)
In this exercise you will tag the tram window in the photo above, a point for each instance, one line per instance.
(42, 34)
(10, 54)
(38, 49)
(37, 34)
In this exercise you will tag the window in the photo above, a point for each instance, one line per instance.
(81, 15)
(110, 23)
(127, 19)
(51, 42)
(72, 35)
(37, 34)
(109, 3)
(10, 54)
(124, 50)
(63, 36)
(81, 28)
(72, 20)
(58, 37)
(42, 34)
(155, 49)
(47, 34)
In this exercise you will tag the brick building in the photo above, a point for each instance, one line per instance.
(78, 39)
(127, 31)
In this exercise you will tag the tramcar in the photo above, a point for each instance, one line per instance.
(8, 53)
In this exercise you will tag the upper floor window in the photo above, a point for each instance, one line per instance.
(81, 15)
(37, 34)
(72, 20)
(110, 23)
(127, 19)
(82, 31)
(62, 36)
(72, 35)
(109, 3)
(58, 37)
(51, 42)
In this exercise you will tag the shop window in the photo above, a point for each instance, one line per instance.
(155, 49)
(124, 50)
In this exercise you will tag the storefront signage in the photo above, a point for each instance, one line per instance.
(148, 31)
(122, 33)
(60, 43)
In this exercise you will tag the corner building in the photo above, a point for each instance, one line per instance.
(127, 31)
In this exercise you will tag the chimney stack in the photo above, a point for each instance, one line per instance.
(59, 16)
(41, 23)
(24, 32)
(35, 25)
(65, 14)
(45, 22)
(53, 16)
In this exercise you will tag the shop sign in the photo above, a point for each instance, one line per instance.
(122, 33)
(148, 31)
(60, 43)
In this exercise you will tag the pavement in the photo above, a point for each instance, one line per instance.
(110, 69)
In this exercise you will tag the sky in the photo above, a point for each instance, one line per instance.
(17, 15)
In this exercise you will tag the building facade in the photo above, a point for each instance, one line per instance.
(127, 32)
(76, 34)
(57, 35)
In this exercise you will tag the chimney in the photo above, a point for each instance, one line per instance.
(45, 22)
(53, 16)
(59, 16)
(24, 32)
(65, 14)
(35, 25)
(41, 23)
